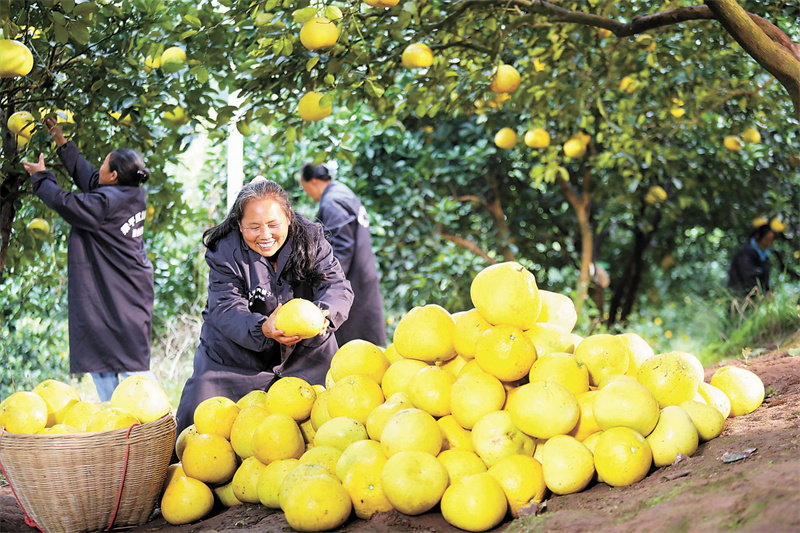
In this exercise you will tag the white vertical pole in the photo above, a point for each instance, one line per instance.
(235, 155)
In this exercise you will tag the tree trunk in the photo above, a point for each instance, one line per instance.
(496, 210)
(10, 191)
(581, 206)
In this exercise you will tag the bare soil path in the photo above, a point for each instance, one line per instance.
(758, 493)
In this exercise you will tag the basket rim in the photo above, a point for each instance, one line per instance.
(121, 432)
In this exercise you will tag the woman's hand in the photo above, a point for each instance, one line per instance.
(269, 331)
(327, 324)
(53, 127)
(33, 168)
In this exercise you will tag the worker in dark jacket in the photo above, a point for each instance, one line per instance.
(346, 220)
(263, 255)
(110, 290)
(750, 266)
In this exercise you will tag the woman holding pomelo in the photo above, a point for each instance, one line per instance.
(261, 256)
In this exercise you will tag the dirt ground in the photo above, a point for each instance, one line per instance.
(760, 492)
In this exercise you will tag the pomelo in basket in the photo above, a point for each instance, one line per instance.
(141, 396)
(291, 396)
(426, 333)
(744, 388)
(413, 481)
(23, 412)
(79, 414)
(522, 481)
(111, 418)
(186, 500)
(300, 317)
(474, 503)
(58, 429)
(506, 293)
(363, 483)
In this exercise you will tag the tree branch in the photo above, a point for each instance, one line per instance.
(465, 243)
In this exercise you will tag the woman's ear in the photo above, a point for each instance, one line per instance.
(112, 177)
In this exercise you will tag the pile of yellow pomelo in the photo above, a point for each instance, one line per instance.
(481, 412)
(53, 408)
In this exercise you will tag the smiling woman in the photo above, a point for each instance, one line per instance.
(261, 256)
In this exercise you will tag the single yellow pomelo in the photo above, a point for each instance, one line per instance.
(495, 436)
(254, 397)
(392, 354)
(586, 422)
(504, 79)
(707, 420)
(426, 333)
(111, 418)
(506, 293)
(622, 456)
(429, 390)
(324, 456)
(245, 480)
(417, 55)
(469, 327)
(363, 483)
(291, 396)
(475, 394)
(269, 482)
(23, 412)
(549, 338)
(316, 503)
(413, 481)
(225, 495)
(474, 503)
(79, 414)
(603, 355)
(354, 453)
(543, 409)
(186, 500)
(209, 458)
(453, 435)
(459, 463)
(354, 396)
(58, 429)
(675, 433)
(411, 429)
(626, 403)
(143, 397)
(216, 416)
(319, 411)
(522, 480)
(300, 317)
(563, 369)
(505, 352)
(340, 432)
(743, 388)
(557, 310)
(377, 417)
(243, 429)
(183, 437)
(318, 33)
(399, 374)
(639, 350)
(59, 398)
(359, 357)
(567, 465)
(669, 377)
(715, 398)
(277, 436)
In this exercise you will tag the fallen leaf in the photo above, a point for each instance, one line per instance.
(732, 457)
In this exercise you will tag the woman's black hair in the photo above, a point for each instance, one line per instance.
(310, 172)
(760, 232)
(129, 166)
(302, 264)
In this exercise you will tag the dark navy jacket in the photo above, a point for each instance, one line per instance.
(110, 289)
(234, 357)
(345, 218)
(748, 270)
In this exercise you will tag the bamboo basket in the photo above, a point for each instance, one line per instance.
(74, 482)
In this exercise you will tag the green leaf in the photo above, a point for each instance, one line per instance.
(311, 63)
(373, 89)
(68, 5)
(85, 8)
(188, 33)
(244, 128)
(61, 33)
(333, 13)
(301, 16)
(58, 18)
(192, 20)
(79, 32)
(330, 80)
(201, 76)
(291, 134)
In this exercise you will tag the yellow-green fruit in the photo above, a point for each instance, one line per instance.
(186, 500)
(417, 55)
(318, 33)
(474, 503)
(17, 59)
(622, 456)
(543, 409)
(708, 421)
(567, 465)
(537, 138)
(744, 388)
(675, 433)
(310, 109)
(299, 317)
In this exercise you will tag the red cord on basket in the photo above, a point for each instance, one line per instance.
(28, 520)
(124, 471)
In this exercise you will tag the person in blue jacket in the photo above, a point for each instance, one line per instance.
(110, 278)
(261, 256)
(750, 266)
(346, 220)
